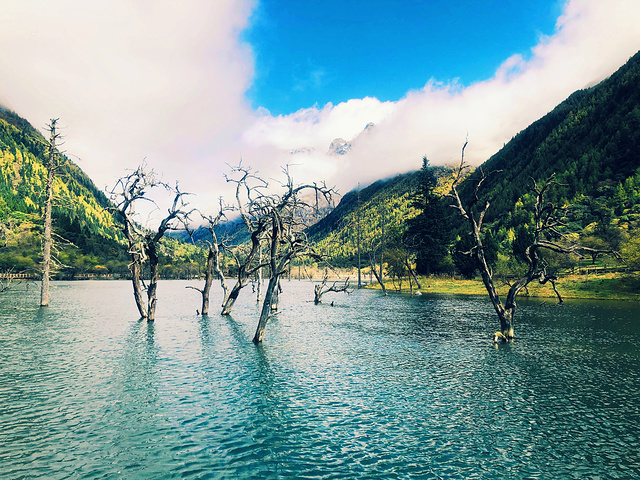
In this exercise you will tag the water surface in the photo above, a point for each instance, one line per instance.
(373, 387)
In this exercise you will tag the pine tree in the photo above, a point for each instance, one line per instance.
(428, 234)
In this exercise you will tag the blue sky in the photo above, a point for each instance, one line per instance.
(195, 85)
(316, 52)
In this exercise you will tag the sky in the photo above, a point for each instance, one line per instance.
(192, 87)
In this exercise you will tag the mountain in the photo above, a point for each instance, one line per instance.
(80, 210)
(88, 237)
(232, 232)
(590, 143)
(384, 205)
(339, 147)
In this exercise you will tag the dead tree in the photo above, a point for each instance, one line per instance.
(5, 234)
(176, 215)
(412, 273)
(320, 289)
(52, 164)
(547, 235)
(144, 243)
(6, 280)
(284, 215)
(276, 223)
(212, 267)
(248, 189)
(374, 270)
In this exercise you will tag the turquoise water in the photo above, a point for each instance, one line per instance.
(373, 387)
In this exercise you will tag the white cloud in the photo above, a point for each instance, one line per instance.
(592, 39)
(157, 79)
(166, 81)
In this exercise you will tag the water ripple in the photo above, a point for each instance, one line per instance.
(375, 387)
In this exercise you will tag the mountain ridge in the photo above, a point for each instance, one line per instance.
(590, 142)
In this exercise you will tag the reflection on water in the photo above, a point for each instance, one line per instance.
(374, 387)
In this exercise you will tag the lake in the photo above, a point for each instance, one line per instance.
(372, 387)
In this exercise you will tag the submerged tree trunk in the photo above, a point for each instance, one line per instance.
(505, 313)
(380, 282)
(46, 240)
(152, 289)
(245, 271)
(413, 274)
(208, 281)
(212, 263)
(275, 300)
(276, 268)
(270, 297)
(317, 293)
(259, 293)
(52, 166)
(227, 306)
(223, 283)
(136, 280)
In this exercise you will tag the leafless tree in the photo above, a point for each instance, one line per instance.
(277, 221)
(249, 188)
(547, 235)
(285, 237)
(53, 163)
(212, 268)
(143, 243)
(412, 273)
(322, 288)
(377, 273)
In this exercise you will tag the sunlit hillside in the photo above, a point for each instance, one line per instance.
(88, 239)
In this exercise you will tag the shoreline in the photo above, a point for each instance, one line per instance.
(608, 286)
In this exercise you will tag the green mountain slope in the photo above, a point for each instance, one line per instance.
(80, 209)
(591, 142)
(89, 238)
(383, 202)
(380, 209)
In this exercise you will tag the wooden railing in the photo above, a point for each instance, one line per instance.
(21, 276)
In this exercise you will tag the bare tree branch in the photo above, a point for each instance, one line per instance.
(143, 243)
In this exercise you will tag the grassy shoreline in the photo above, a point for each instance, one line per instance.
(609, 286)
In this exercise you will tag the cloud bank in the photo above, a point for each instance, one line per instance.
(166, 81)
(591, 41)
(130, 80)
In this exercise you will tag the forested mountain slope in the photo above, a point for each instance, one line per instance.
(22, 176)
(378, 210)
(591, 142)
(88, 238)
(80, 209)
